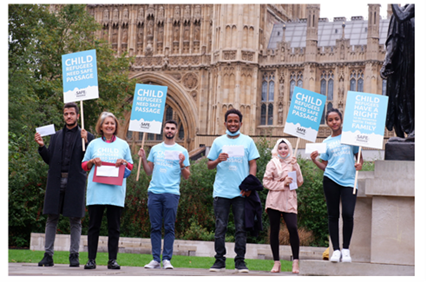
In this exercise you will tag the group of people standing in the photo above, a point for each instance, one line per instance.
(167, 162)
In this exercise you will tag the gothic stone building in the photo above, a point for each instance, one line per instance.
(213, 57)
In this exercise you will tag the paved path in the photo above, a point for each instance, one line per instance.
(32, 269)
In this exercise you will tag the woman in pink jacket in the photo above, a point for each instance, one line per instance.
(281, 200)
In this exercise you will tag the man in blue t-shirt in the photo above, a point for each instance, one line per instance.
(166, 162)
(234, 156)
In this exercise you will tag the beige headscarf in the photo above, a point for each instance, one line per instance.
(275, 156)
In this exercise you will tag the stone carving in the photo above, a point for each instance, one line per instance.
(125, 15)
(247, 55)
(124, 36)
(115, 16)
(106, 15)
(141, 15)
(190, 80)
(186, 32)
(398, 70)
(176, 33)
(230, 55)
(187, 12)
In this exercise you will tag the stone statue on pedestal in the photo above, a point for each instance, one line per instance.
(398, 70)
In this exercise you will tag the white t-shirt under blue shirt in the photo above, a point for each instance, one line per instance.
(341, 161)
(167, 172)
(232, 172)
(104, 194)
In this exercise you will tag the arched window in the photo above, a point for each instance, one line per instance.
(327, 83)
(293, 78)
(353, 85)
(263, 114)
(270, 114)
(181, 133)
(268, 86)
(357, 81)
(271, 90)
(169, 113)
(330, 89)
(292, 85)
(360, 87)
(264, 90)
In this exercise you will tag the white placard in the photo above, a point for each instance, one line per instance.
(171, 154)
(107, 171)
(233, 150)
(46, 130)
(311, 147)
(293, 184)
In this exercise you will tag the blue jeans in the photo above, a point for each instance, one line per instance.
(162, 206)
(221, 211)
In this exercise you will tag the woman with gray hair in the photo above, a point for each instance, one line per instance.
(100, 196)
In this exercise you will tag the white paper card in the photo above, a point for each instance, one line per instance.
(171, 154)
(233, 150)
(293, 184)
(46, 130)
(320, 147)
(107, 171)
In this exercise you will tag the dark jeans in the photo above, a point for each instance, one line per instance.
(221, 211)
(333, 194)
(290, 220)
(162, 207)
(95, 219)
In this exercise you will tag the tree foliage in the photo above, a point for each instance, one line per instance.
(37, 40)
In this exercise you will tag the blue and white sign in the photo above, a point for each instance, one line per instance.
(148, 108)
(80, 76)
(365, 118)
(304, 115)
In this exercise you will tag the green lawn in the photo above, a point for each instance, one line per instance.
(142, 259)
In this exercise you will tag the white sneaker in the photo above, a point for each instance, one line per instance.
(336, 256)
(346, 255)
(167, 264)
(153, 265)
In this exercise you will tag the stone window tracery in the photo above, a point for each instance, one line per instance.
(326, 89)
(295, 79)
(357, 81)
(267, 99)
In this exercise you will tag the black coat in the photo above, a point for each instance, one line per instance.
(74, 199)
(252, 205)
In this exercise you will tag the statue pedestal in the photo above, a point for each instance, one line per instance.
(399, 151)
(383, 238)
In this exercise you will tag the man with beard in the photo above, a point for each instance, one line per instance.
(66, 182)
(166, 162)
(234, 156)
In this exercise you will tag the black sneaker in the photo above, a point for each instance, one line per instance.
(46, 261)
(74, 262)
(112, 264)
(218, 265)
(241, 267)
(91, 264)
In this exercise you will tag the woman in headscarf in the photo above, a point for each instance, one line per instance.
(281, 200)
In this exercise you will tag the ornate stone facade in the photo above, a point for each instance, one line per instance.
(214, 57)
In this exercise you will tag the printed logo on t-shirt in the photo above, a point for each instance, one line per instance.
(233, 168)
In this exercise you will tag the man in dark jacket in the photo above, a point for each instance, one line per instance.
(66, 182)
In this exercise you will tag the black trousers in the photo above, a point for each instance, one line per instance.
(95, 219)
(334, 193)
(290, 220)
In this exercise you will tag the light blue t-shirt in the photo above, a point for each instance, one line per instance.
(167, 172)
(341, 161)
(232, 172)
(98, 193)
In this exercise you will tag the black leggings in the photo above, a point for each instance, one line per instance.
(333, 194)
(291, 222)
